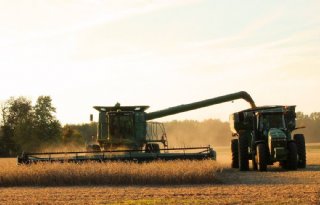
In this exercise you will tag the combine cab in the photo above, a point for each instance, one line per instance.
(125, 133)
(264, 135)
(125, 127)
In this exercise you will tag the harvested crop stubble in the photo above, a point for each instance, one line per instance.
(110, 173)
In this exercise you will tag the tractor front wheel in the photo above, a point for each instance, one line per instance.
(254, 162)
(292, 159)
(261, 157)
(235, 154)
(301, 149)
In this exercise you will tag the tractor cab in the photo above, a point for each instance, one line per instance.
(269, 120)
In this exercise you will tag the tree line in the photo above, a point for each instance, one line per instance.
(28, 127)
(33, 128)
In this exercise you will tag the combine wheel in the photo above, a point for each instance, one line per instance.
(243, 152)
(235, 155)
(301, 149)
(292, 160)
(93, 148)
(152, 148)
(261, 157)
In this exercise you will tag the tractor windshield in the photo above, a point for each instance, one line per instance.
(271, 120)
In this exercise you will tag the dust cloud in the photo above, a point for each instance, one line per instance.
(63, 148)
(190, 133)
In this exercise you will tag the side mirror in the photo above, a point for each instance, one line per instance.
(91, 117)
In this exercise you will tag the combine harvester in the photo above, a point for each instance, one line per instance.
(124, 134)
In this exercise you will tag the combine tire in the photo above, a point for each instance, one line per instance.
(235, 155)
(93, 148)
(243, 152)
(261, 157)
(301, 149)
(292, 160)
(152, 148)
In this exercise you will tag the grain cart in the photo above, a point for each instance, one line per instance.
(264, 135)
(125, 133)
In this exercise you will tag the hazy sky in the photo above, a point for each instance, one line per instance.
(160, 53)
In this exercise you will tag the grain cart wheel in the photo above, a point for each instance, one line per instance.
(261, 157)
(235, 155)
(301, 149)
(243, 152)
(292, 160)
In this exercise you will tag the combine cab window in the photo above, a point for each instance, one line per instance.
(121, 126)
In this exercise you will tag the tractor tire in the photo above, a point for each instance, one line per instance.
(292, 159)
(301, 149)
(235, 154)
(243, 152)
(261, 157)
(254, 163)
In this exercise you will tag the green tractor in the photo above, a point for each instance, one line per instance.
(264, 136)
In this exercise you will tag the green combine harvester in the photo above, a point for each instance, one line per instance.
(126, 133)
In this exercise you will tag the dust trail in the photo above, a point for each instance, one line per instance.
(190, 133)
(64, 148)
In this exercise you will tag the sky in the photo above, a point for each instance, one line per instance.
(160, 53)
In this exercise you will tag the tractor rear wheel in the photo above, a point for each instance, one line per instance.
(301, 149)
(261, 157)
(292, 159)
(243, 152)
(235, 154)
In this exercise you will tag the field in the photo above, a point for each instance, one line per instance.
(223, 185)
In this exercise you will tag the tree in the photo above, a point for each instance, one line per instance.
(72, 136)
(19, 122)
(26, 127)
(315, 116)
(47, 128)
(6, 135)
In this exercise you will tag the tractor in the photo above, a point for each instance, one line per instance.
(264, 135)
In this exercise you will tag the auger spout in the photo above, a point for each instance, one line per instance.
(200, 104)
